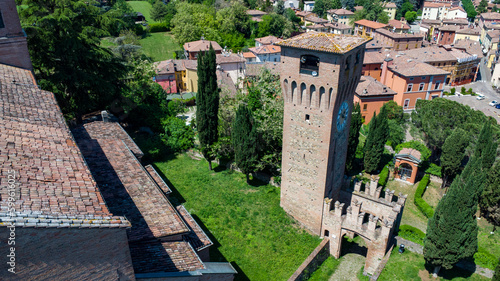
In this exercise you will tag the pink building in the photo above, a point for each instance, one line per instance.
(165, 76)
(412, 80)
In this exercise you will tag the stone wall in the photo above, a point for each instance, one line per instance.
(312, 262)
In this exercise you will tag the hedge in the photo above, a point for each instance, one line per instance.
(485, 259)
(384, 176)
(434, 170)
(158, 27)
(411, 233)
(420, 146)
(427, 210)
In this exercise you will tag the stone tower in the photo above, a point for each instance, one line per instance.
(319, 74)
(13, 45)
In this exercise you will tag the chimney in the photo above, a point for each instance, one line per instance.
(387, 62)
(105, 116)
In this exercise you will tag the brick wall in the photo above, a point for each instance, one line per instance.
(67, 254)
(312, 262)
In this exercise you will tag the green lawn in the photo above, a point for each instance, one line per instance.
(144, 7)
(160, 46)
(245, 222)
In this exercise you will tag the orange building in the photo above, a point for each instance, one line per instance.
(406, 166)
(412, 80)
(372, 64)
(371, 96)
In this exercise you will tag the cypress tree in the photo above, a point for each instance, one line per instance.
(452, 230)
(244, 140)
(490, 199)
(374, 147)
(452, 155)
(356, 123)
(207, 104)
(496, 276)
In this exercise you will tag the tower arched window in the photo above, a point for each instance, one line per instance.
(309, 65)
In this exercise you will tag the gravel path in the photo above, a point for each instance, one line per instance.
(348, 268)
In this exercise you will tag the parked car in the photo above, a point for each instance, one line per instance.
(480, 97)
(497, 106)
(493, 103)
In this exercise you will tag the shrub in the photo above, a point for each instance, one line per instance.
(427, 210)
(434, 170)
(138, 29)
(453, 90)
(485, 259)
(462, 91)
(178, 136)
(384, 176)
(411, 233)
(424, 151)
(158, 27)
(469, 92)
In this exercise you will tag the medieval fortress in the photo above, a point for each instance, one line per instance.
(319, 74)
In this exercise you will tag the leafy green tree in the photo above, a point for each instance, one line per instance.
(207, 101)
(178, 136)
(291, 16)
(372, 10)
(405, 7)
(348, 4)
(274, 24)
(375, 141)
(322, 6)
(397, 123)
(158, 11)
(411, 16)
(482, 7)
(171, 11)
(453, 153)
(356, 123)
(119, 18)
(486, 147)
(490, 199)
(452, 231)
(244, 139)
(469, 9)
(64, 46)
(280, 8)
(496, 276)
(192, 21)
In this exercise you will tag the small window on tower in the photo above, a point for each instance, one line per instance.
(307, 117)
(309, 65)
(2, 25)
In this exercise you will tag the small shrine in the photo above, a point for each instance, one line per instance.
(406, 164)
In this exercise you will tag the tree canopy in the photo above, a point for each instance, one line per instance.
(372, 10)
(244, 139)
(453, 153)
(375, 142)
(322, 6)
(356, 123)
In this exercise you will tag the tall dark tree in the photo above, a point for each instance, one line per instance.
(244, 140)
(496, 276)
(348, 4)
(453, 153)
(375, 142)
(207, 104)
(280, 8)
(356, 123)
(490, 199)
(64, 45)
(452, 231)
(158, 11)
(482, 7)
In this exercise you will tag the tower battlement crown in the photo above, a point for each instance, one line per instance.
(325, 42)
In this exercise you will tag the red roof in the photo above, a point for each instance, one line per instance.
(370, 24)
(201, 45)
(398, 24)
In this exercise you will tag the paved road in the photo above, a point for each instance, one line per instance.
(485, 72)
(348, 268)
(478, 87)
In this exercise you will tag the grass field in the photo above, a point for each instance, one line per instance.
(160, 46)
(245, 222)
(144, 7)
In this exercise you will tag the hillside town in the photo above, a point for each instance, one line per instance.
(250, 140)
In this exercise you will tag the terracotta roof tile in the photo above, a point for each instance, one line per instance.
(267, 40)
(255, 13)
(197, 237)
(491, 16)
(156, 256)
(398, 24)
(248, 55)
(371, 24)
(374, 57)
(201, 45)
(340, 12)
(226, 83)
(430, 54)
(228, 58)
(408, 67)
(265, 49)
(325, 42)
(369, 86)
(128, 189)
(390, 5)
(36, 143)
(410, 151)
(471, 47)
(315, 19)
(391, 34)
(157, 179)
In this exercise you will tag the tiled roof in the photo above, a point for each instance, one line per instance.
(37, 219)
(471, 31)
(37, 145)
(376, 44)
(492, 25)
(431, 22)
(228, 58)
(267, 40)
(358, 8)
(226, 83)
(374, 57)
(398, 24)
(127, 188)
(390, 5)
(409, 151)
(494, 35)
(369, 86)
(165, 67)
(254, 69)
(471, 47)
(457, 8)
(371, 24)
(196, 237)
(342, 12)
(255, 13)
(491, 16)
(391, 34)
(315, 19)
(157, 179)
(411, 67)
(265, 49)
(304, 14)
(201, 45)
(436, 5)
(111, 131)
(190, 64)
(156, 256)
(338, 25)
(325, 42)
(248, 55)
(430, 54)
